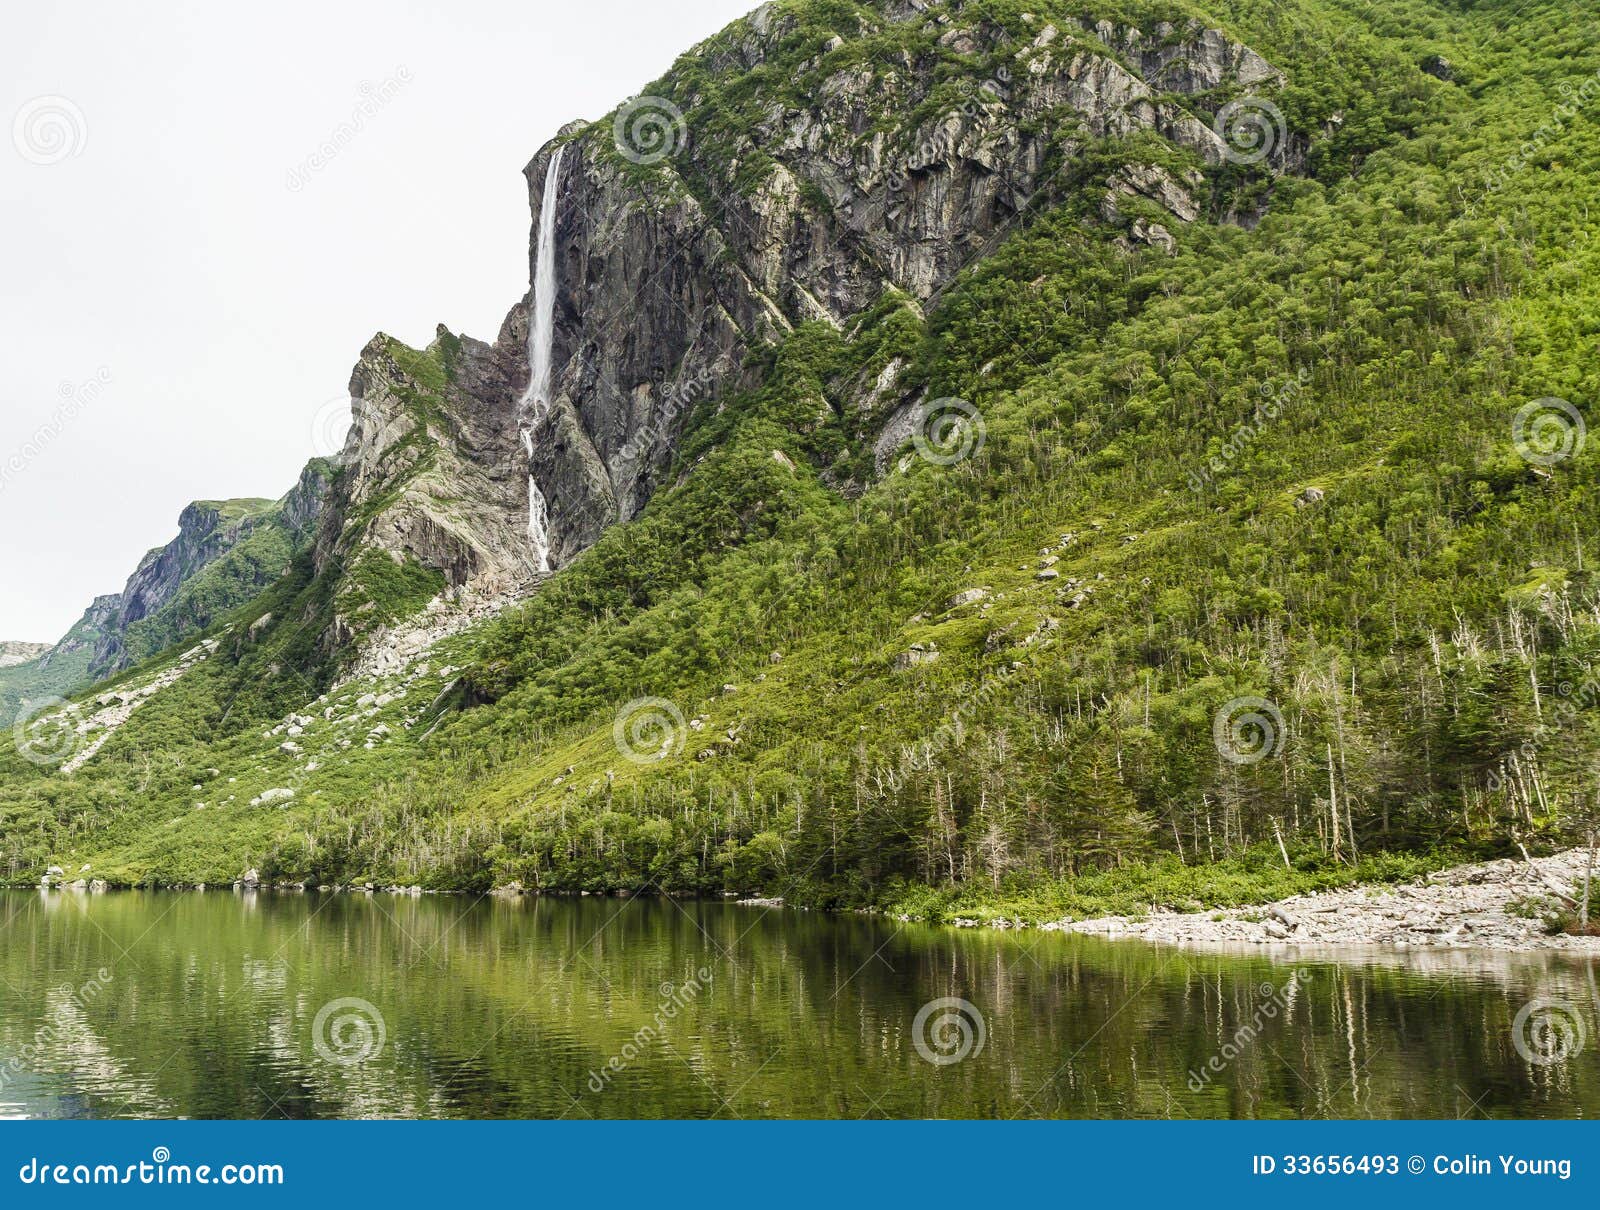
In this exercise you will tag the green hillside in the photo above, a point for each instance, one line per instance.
(1287, 534)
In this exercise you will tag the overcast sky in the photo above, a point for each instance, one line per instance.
(187, 285)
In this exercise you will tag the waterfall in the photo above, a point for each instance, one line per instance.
(541, 335)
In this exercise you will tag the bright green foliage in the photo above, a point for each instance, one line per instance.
(1412, 620)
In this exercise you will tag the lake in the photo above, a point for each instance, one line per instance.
(271, 1005)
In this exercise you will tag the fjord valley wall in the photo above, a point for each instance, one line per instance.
(1032, 458)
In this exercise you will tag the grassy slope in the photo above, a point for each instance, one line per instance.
(1380, 621)
(22, 684)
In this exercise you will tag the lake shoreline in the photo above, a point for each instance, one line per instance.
(1490, 905)
(1486, 905)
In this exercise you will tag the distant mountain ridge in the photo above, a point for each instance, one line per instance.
(13, 653)
(225, 553)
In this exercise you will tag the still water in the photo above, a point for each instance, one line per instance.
(263, 1005)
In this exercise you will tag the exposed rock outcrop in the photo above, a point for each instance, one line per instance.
(87, 632)
(208, 532)
(667, 276)
(85, 729)
(433, 466)
(12, 653)
(679, 254)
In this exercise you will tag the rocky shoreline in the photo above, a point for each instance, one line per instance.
(1498, 905)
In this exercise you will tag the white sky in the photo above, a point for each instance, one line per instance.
(227, 308)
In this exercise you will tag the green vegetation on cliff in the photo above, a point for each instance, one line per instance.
(1272, 544)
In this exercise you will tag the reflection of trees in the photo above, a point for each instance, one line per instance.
(65, 1043)
(504, 1009)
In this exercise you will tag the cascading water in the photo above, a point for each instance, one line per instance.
(541, 335)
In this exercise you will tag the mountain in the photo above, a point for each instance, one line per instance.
(13, 653)
(992, 456)
(783, 208)
(225, 553)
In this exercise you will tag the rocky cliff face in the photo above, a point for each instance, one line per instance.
(433, 466)
(86, 634)
(301, 509)
(59, 669)
(705, 221)
(244, 544)
(206, 531)
(670, 271)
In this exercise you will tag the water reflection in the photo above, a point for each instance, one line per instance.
(221, 1005)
